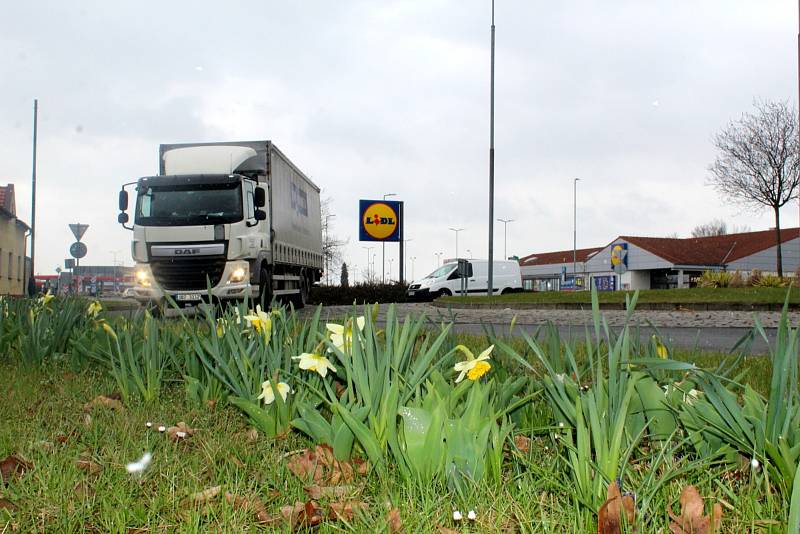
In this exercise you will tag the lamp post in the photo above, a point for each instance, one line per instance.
(405, 251)
(390, 269)
(383, 246)
(456, 230)
(412, 267)
(490, 278)
(505, 236)
(326, 248)
(438, 258)
(368, 249)
(574, 229)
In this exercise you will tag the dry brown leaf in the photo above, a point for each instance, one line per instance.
(523, 443)
(321, 467)
(252, 504)
(180, 431)
(692, 520)
(211, 403)
(446, 530)
(310, 516)
(395, 523)
(252, 435)
(206, 495)
(346, 510)
(330, 492)
(5, 504)
(88, 466)
(609, 517)
(13, 466)
(105, 401)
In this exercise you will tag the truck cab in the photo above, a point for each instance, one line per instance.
(201, 234)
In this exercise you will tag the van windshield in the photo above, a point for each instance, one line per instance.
(442, 271)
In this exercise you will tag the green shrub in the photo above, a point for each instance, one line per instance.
(716, 279)
(770, 280)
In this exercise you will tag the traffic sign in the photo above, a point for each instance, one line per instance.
(78, 230)
(78, 250)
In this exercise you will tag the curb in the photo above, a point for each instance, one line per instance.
(587, 306)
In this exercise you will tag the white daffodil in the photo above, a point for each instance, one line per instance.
(471, 515)
(342, 335)
(457, 515)
(473, 368)
(261, 321)
(139, 465)
(94, 308)
(315, 362)
(268, 391)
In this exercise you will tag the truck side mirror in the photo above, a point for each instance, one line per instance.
(261, 215)
(260, 199)
(123, 200)
(122, 218)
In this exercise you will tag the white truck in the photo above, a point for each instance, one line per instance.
(230, 220)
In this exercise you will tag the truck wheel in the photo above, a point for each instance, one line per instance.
(302, 298)
(264, 288)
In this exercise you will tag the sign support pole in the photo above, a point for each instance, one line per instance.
(401, 277)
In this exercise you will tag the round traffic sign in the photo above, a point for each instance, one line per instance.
(77, 250)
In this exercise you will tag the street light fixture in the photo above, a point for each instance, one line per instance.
(390, 269)
(413, 258)
(405, 251)
(456, 230)
(383, 246)
(438, 258)
(505, 236)
(368, 249)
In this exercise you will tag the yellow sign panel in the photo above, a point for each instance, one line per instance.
(379, 220)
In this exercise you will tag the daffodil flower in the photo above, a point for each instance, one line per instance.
(315, 362)
(109, 330)
(268, 391)
(94, 309)
(45, 299)
(342, 335)
(220, 327)
(661, 350)
(261, 321)
(473, 368)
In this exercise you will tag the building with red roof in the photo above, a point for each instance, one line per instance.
(13, 244)
(635, 262)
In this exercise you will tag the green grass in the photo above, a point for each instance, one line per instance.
(745, 295)
(41, 405)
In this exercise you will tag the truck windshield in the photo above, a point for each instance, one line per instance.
(188, 205)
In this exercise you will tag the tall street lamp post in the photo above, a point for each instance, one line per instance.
(574, 230)
(490, 281)
(412, 258)
(438, 258)
(327, 248)
(456, 230)
(505, 236)
(383, 246)
(368, 249)
(405, 251)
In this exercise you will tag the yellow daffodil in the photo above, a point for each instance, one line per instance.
(661, 350)
(261, 321)
(473, 368)
(45, 299)
(315, 362)
(268, 391)
(220, 327)
(109, 330)
(94, 309)
(342, 335)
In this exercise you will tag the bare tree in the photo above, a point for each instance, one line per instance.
(757, 164)
(331, 245)
(710, 229)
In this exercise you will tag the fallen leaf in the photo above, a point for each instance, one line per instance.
(523, 443)
(692, 520)
(310, 516)
(346, 510)
(252, 435)
(180, 431)
(393, 518)
(5, 504)
(13, 466)
(88, 466)
(211, 403)
(321, 467)
(446, 530)
(206, 495)
(330, 492)
(609, 517)
(252, 504)
(104, 401)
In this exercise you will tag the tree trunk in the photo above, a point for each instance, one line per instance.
(778, 240)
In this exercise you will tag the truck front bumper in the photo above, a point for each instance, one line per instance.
(147, 291)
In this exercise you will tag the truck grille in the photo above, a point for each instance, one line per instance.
(188, 273)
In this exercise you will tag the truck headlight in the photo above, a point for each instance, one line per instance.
(143, 277)
(239, 272)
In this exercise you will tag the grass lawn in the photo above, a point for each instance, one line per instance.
(78, 480)
(697, 295)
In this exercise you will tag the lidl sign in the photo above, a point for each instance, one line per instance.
(380, 220)
(619, 258)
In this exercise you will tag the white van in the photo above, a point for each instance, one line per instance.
(446, 280)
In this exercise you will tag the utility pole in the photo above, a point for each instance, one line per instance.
(505, 236)
(33, 197)
(383, 247)
(412, 267)
(574, 230)
(491, 168)
(405, 251)
(456, 230)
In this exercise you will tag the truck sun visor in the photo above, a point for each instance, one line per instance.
(221, 159)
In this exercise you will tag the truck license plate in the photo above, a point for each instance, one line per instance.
(188, 297)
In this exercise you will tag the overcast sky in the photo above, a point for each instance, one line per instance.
(375, 97)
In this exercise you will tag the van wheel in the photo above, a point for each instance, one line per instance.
(443, 293)
(505, 291)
